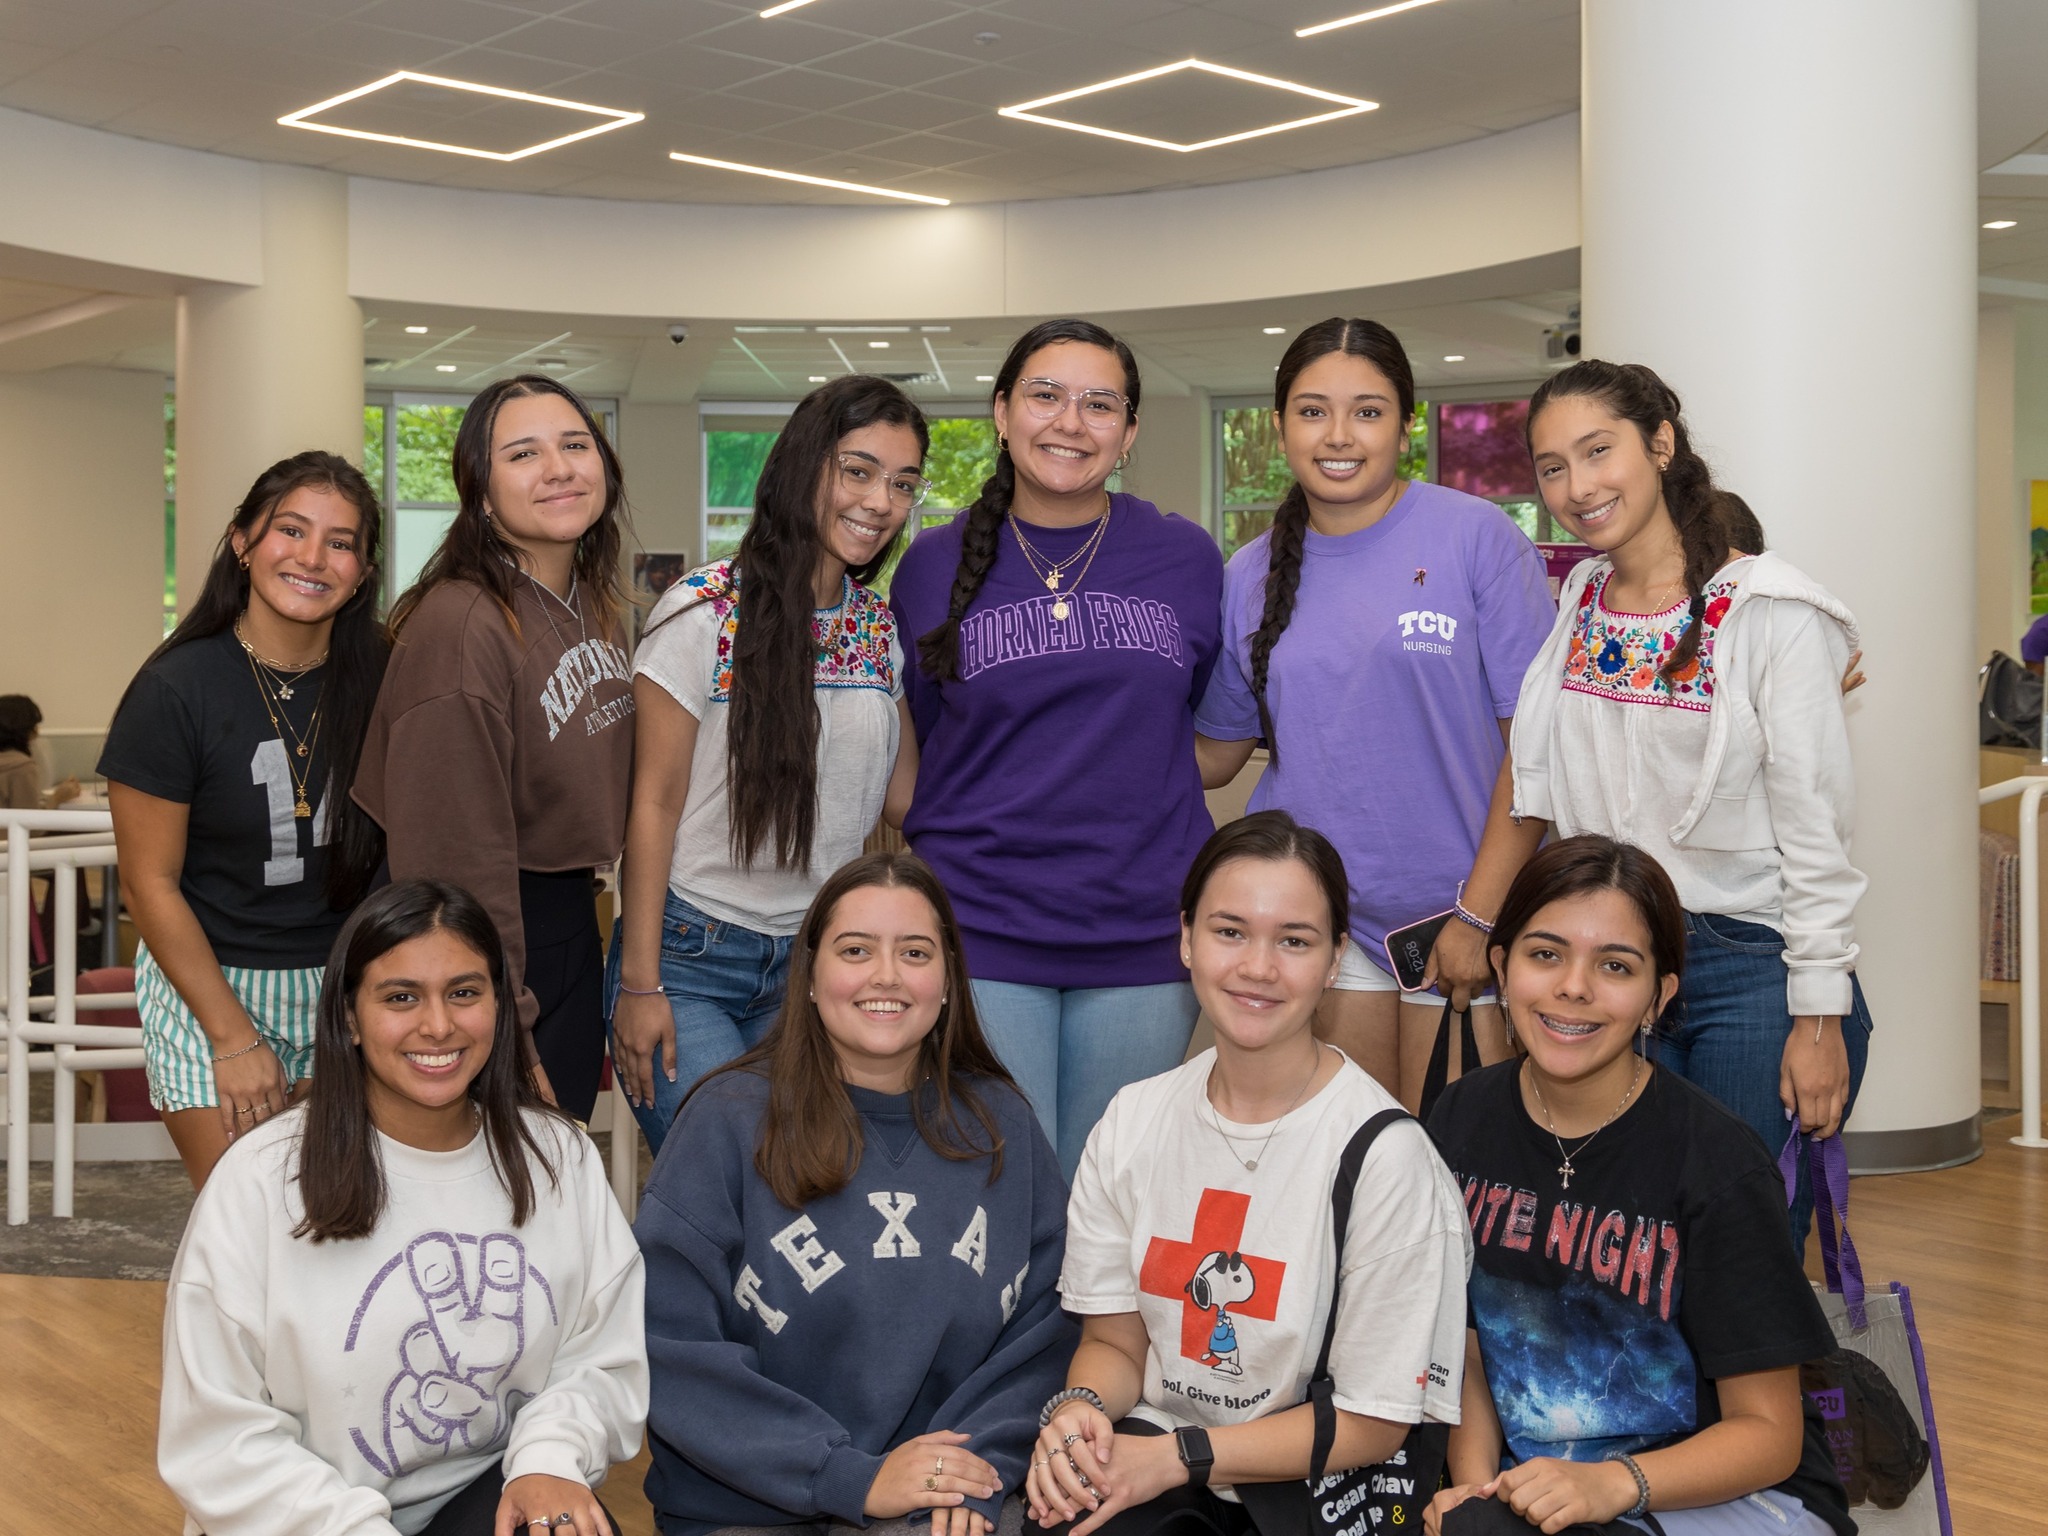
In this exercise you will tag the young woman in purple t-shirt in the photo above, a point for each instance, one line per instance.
(1375, 638)
(1058, 636)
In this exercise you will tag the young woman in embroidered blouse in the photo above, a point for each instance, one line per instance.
(1689, 701)
(769, 720)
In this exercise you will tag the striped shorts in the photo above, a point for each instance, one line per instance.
(175, 1050)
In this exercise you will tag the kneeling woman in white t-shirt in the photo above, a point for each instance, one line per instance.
(411, 1303)
(1220, 1172)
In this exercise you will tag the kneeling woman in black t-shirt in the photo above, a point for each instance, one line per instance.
(1638, 1315)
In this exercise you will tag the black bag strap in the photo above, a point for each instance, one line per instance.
(1320, 1387)
(1439, 1072)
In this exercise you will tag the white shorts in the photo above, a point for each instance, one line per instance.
(1357, 972)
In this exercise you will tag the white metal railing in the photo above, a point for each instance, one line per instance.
(58, 842)
(2029, 788)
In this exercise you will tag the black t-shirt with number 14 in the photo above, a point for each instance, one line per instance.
(1606, 1312)
(194, 729)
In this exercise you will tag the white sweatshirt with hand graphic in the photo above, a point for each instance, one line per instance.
(317, 1389)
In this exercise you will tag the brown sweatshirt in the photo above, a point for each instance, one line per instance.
(492, 751)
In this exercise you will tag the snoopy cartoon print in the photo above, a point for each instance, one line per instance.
(1221, 1281)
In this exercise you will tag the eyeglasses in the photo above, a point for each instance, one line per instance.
(858, 474)
(1048, 398)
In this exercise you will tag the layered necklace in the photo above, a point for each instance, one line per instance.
(274, 682)
(1564, 1168)
(1251, 1163)
(1053, 572)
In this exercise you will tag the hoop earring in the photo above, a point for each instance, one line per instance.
(1122, 460)
(1002, 443)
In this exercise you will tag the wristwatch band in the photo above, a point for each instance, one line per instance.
(1070, 1395)
(1195, 1454)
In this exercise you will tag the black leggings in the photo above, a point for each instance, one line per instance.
(474, 1511)
(565, 973)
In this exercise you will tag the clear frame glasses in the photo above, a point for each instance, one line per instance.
(1047, 398)
(858, 474)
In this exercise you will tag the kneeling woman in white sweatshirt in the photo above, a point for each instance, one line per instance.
(410, 1304)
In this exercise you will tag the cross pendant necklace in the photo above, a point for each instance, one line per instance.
(1564, 1169)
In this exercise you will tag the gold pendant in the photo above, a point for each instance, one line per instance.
(1059, 609)
(284, 690)
(1052, 580)
(302, 749)
(302, 810)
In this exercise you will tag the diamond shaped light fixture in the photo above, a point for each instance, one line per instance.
(1346, 106)
(609, 117)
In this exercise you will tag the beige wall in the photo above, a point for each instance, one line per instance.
(660, 447)
(82, 528)
(1171, 465)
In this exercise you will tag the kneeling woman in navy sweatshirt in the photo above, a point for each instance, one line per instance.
(853, 1234)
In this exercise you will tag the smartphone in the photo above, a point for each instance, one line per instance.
(1408, 950)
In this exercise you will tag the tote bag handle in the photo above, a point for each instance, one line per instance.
(1827, 1164)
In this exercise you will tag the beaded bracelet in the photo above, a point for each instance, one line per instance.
(245, 1050)
(1465, 914)
(1642, 1503)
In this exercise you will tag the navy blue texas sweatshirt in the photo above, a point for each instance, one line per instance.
(792, 1350)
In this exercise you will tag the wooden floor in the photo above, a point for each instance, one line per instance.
(79, 1360)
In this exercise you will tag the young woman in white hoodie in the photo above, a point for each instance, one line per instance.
(1689, 701)
(409, 1304)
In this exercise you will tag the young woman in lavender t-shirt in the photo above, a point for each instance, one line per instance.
(1058, 637)
(1376, 637)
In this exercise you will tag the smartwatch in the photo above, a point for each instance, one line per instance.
(1195, 1455)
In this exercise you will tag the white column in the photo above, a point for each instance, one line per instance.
(267, 371)
(2004, 556)
(1779, 214)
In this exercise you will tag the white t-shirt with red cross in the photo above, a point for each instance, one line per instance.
(1231, 1267)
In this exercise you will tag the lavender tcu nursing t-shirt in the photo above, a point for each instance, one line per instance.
(1407, 648)
(1057, 793)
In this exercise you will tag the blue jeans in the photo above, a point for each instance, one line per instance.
(1072, 1048)
(724, 986)
(1726, 1032)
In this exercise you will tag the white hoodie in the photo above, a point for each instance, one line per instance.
(1775, 774)
(350, 1388)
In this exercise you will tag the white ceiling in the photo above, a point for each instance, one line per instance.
(896, 93)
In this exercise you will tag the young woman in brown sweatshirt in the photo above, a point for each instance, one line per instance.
(500, 750)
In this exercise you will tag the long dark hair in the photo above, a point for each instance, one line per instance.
(1635, 394)
(474, 551)
(938, 649)
(771, 748)
(356, 647)
(1275, 837)
(1579, 866)
(19, 717)
(1380, 347)
(341, 1175)
(810, 1139)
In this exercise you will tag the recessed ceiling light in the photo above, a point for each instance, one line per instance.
(445, 368)
(1275, 330)
(1454, 357)
(984, 378)
(817, 378)
(415, 330)
(1352, 21)
(814, 181)
(2002, 224)
(878, 344)
(1349, 106)
(613, 117)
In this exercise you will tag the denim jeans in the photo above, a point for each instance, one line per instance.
(724, 986)
(1726, 1032)
(1072, 1048)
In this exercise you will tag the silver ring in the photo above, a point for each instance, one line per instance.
(565, 1519)
(1070, 1439)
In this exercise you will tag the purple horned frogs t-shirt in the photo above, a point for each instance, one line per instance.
(1407, 647)
(1057, 793)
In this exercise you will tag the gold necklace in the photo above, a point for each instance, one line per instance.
(1565, 1168)
(1056, 571)
(298, 746)
(282, 675)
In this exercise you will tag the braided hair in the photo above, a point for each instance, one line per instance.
(1380, 347)
(938, 648)
(1635, 394)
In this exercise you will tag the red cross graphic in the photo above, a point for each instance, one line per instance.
(1169, 1266)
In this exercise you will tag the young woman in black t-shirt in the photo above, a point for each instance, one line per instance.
(1638, 1314)
(228, 766)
